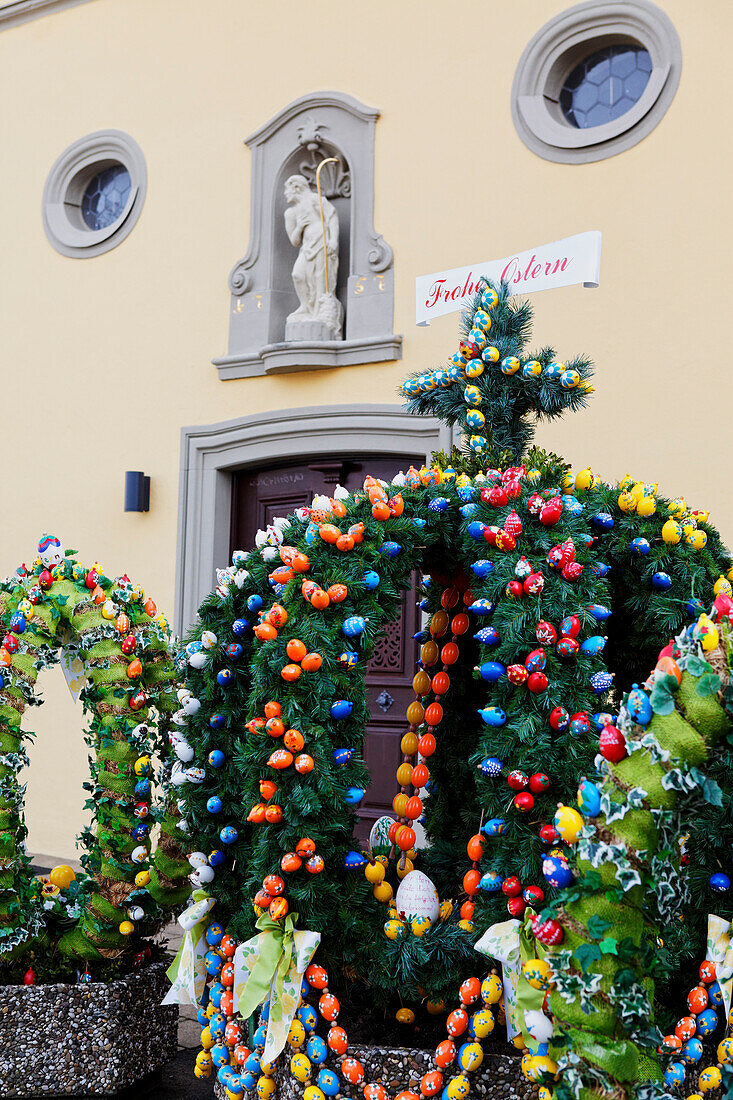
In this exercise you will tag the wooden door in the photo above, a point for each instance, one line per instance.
(260, 495)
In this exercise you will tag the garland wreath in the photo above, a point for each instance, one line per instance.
(275, 671)
(60, 606)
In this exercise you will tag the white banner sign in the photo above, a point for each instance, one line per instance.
(573, 260)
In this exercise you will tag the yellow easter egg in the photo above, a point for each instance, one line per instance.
(420, 926)
(408, 744)
(671, 532)
(383, 891)
(637, 490)
(458, 1087)
(393, 929)
(403, 870)
(405, 1016)
(266, 1088)
(463, 480)
(296, 1035)
(537, 972)
(698, 540)
(626, 482)
(62, 876)
(543, 1093)
(374, 873)
(142, 878)
(466, 925)
(677, 507)
(583, 479)
(492, 989)
(647, 506)
(710, 639)
(535, 475)
(446, 908)
(519, 1042)
(626, 502)
(300, 1067)
(723, 585)
(483, 1023)
(207, 1039)
(127, 928)
(709, 1079)
(568, 823)
(724, 1052)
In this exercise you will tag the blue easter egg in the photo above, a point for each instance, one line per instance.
(216, 758)
(417, 521)
(215, 994)
(482, 607)
(662, 580)
(603, 521)
(353, 626)
(640, 546)
(193, 647)
(341, 708)
(259, 1038)
(216, 858)
(328, 1082)
(487, 635)
(599, 612)
(482, 567)
(217, 721)
(593, 645)
(202, 1017)
(491, 882)
(342, 756)
(492, 765)
(601, 569)
(638, 706)
(311, 534)
(254, 602)
(589, 799)
(466, 492)
(249, 1080)
(354, 796)
(694, 607)
(715, 994)
(556, 871)
(142, 788)
(228, 834)
(214, 804)
(235, 1084)
(224, 677)
(601, 681)
(492, 671)
(265, 1012)
(17, 623)
(390, 549)
(371, 580)
(220, 1055)
(719, 882)
(438, 504)
(348, 659)
(495, 826)
(476, 530)
(307, 1014)
(140, 832)
(707, 1021)
(493, 716)
(354, 859)
(213, 963)
(218, 1022)
(600, 719)
(316, 1049)
(214, 935)
(253, 1063)
(234, 651)
(240, 628)
(692, 1050)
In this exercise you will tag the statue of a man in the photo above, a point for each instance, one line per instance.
(304, 229)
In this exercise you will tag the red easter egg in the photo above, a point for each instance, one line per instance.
(329, 1007)
(516, 906)
(338, 1040)
(517, 780)
(430, 1083)
(612, 744)
(471, 881)
(524, 802)
(539, 782)
(697, 999)
(470, 991)
(511, 886)
(316, 976)
(457, 1022)
(445, 1053)
(537, 682)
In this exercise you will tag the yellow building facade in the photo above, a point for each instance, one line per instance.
(107, 356)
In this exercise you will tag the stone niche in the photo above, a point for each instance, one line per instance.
(263, 296)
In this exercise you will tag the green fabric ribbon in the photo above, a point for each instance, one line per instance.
(274, 958)
(527, 996)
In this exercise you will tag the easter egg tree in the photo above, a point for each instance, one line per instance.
(542, 593)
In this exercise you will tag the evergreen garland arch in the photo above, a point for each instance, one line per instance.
(61, 607)
(540, 589)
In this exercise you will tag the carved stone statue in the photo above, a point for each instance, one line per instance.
(320, 314)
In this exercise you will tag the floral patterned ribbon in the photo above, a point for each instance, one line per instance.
(271, 965)
(187, 972)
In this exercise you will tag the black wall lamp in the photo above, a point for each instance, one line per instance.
(137, 491)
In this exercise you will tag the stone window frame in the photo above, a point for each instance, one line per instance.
(211, 453)
(67, 181)
(254, 349)
(23, 11)
(560, 45)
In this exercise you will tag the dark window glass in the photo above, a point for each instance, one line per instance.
(105, 197)
(606, 85)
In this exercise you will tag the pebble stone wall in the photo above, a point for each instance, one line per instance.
(85, 1040)
(398, 1068)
